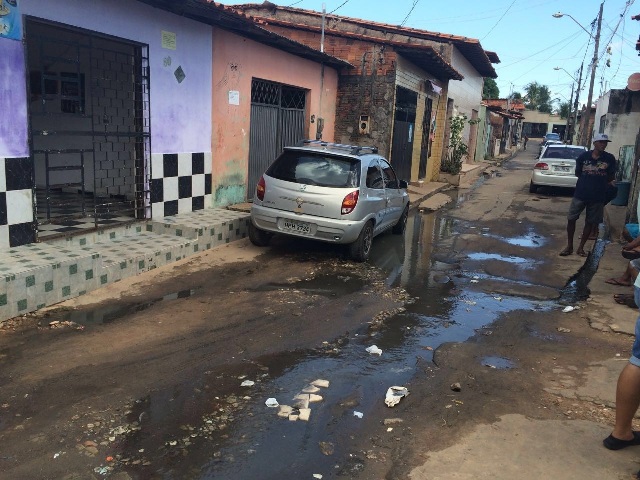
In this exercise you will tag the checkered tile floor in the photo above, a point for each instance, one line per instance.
(67, 215)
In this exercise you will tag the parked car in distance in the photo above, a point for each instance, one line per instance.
(329, 192)
(546, 144)
(556, 167)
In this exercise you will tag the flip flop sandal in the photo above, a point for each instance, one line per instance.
(630, 254)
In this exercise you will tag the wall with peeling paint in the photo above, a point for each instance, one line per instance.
(236, 60)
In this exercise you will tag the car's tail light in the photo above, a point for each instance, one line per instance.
(260, 188)
(541, 166)
(350, 202)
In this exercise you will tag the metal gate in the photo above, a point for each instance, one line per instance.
(425, 144)
(90, 128)
(277, 121)
(403, 132)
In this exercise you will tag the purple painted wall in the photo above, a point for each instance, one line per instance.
(180, 112)
(13, 100)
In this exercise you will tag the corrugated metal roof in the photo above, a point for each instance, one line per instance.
(227, 18)
(469, 47)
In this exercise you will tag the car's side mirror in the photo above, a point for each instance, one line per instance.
(403, 184)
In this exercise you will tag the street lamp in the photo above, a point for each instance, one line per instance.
(575, 104)
(586, 139)
(560, 15)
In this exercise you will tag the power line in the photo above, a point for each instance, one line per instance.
(496, 24)
(415, 2)
(339, 7)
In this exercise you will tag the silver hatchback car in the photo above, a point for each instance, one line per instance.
(330, 192)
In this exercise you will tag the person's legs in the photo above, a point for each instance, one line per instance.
(627, 401)
(571, 230)
(627, 278)
(628, 388)
(593, 217)
(586, 233)
(575, 209)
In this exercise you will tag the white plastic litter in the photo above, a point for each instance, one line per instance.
(568, 308)
(358, 414)
(271, 403)
(317, 475)
(248, 383)
(473, 281)
(394, 395)
(374, 350)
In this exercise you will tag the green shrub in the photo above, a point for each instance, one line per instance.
(457, 149)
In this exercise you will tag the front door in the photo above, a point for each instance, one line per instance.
(89, 128)
(403, 132)
(277, 121)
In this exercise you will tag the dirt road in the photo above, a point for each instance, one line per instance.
(145, 378)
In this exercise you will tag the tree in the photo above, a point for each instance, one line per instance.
(564, 110)
(538, 97)
(516, 96)
(490, 89)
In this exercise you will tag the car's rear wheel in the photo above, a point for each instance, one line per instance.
(401, 226)
(533, 188)
(361, 248)
(259, 237)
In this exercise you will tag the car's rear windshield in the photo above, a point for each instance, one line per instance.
(316, 169)
(552, 136)
(562, 152)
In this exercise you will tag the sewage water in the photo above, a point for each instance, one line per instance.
(111, 313)
(256, 443)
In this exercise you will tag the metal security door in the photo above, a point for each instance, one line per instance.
(90, 129)
(277, 121)
(425, 143)
(403, 132)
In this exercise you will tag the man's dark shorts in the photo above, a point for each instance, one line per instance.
(595, 211)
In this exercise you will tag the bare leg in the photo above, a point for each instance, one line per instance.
(588, 228)
(627, 401)
(571, 230)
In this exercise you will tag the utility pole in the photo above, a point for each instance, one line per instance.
(575, 106)
(586, 135)
(567, 137)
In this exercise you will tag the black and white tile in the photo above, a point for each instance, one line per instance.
(180, 183)
(17, 225)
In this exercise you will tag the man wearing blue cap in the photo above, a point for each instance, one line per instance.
(595, 170)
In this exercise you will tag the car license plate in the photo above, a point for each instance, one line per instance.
(298, 227)
(563, 169)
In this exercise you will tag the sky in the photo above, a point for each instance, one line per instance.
(528, 39)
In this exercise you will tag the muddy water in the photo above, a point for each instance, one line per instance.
(232, 434)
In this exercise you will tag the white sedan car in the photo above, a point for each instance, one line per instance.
(556, 167)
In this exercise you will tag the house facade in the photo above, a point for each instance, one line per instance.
(399, 95)
(121, 110)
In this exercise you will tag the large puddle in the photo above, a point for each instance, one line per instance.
(225, 430)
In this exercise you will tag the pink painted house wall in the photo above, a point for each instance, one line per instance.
(236, 60)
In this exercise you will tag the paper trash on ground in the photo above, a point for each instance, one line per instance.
(374, 350)
(394, 395)
(358, 414)
(271, 403)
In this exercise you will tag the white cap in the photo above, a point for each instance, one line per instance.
(601, 137)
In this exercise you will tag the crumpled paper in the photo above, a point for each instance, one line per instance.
(394, 395)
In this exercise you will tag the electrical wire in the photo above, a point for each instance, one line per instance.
(415, 2)
(499, 20)
(339, 7)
